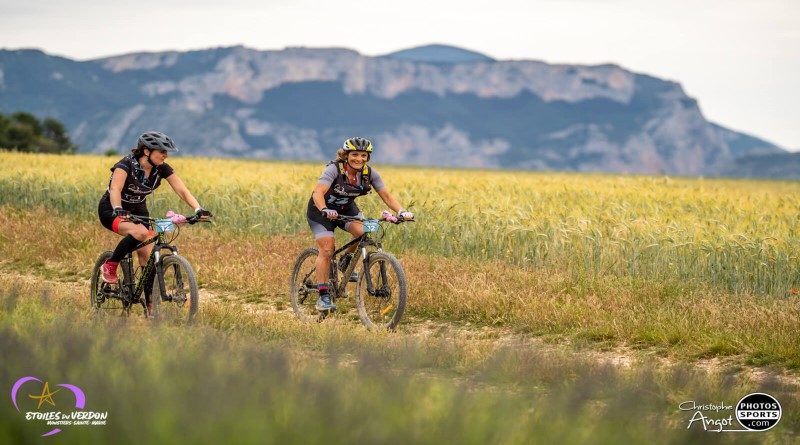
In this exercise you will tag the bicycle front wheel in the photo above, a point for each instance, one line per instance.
(177, 289)
(105, 298)
(383, 306)
(302, 286)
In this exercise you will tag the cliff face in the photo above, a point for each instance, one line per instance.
(300, 103)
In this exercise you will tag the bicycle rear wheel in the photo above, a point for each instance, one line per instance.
(106, 298)
(303, 287)
(384, 306)
(175, 294)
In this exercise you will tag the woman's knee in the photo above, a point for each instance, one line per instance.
(356, 229)
(139, 232)
(326, 247)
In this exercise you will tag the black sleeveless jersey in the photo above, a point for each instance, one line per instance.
(137, 186)
(341, 193)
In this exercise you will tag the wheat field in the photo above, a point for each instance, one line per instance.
(734, 235)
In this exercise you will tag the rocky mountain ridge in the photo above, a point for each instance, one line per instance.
(299, 103)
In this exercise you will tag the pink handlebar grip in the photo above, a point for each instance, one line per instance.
(176, 218)
(387, 215)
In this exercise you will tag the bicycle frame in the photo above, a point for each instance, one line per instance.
(363, 241)
(153, 266)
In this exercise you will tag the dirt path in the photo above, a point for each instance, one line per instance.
(618, 356)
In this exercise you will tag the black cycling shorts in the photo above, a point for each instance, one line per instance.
(324, 227)
(107, 219)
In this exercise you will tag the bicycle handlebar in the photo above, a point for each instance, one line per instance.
(361, 219)
(142, 219)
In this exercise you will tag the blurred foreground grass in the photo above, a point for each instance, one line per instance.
(241, 377)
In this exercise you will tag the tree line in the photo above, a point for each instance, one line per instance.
(24, 132)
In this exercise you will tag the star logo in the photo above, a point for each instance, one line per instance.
(46, 396)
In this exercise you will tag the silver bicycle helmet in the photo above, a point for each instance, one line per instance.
(155, 140)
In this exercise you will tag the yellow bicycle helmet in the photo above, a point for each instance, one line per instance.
(357, 144)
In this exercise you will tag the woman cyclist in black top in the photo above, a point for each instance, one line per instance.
(340, 184)
(133, 178)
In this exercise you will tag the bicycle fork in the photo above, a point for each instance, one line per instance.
(367, 275)
(179, 295)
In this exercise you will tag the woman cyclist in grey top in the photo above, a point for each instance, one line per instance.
(342, 181)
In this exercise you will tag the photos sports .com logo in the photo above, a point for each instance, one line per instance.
(758, 411)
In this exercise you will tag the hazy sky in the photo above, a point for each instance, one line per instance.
(739, 58)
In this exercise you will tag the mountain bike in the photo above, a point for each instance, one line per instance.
(171, 276)
(381, 288)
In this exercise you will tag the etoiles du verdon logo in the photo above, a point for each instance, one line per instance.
(754, 412)
(53, 406)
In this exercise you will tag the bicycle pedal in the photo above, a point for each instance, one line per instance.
(321, 315)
